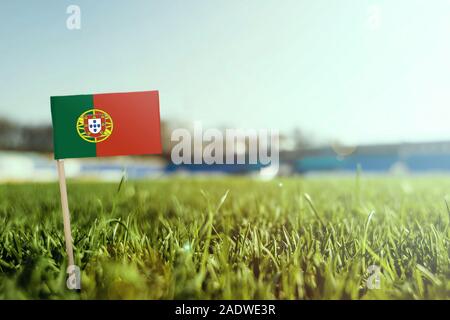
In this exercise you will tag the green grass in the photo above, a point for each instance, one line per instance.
(229, 238)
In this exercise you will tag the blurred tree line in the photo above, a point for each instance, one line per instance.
(19, 137)
(39, 138)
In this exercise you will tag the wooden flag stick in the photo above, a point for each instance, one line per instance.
(65, 210)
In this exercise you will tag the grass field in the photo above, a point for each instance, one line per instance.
(230, 238)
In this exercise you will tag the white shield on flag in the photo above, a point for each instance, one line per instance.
(94, 125)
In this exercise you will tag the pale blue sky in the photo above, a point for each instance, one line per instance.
(311, 64)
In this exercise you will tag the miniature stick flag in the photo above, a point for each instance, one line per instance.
(97, 125)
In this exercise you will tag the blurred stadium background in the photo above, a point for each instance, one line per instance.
(26, 154)
(360, 72)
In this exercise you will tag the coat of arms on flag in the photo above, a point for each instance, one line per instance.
(94, 125)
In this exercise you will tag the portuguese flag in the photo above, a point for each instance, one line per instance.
(109, 124)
